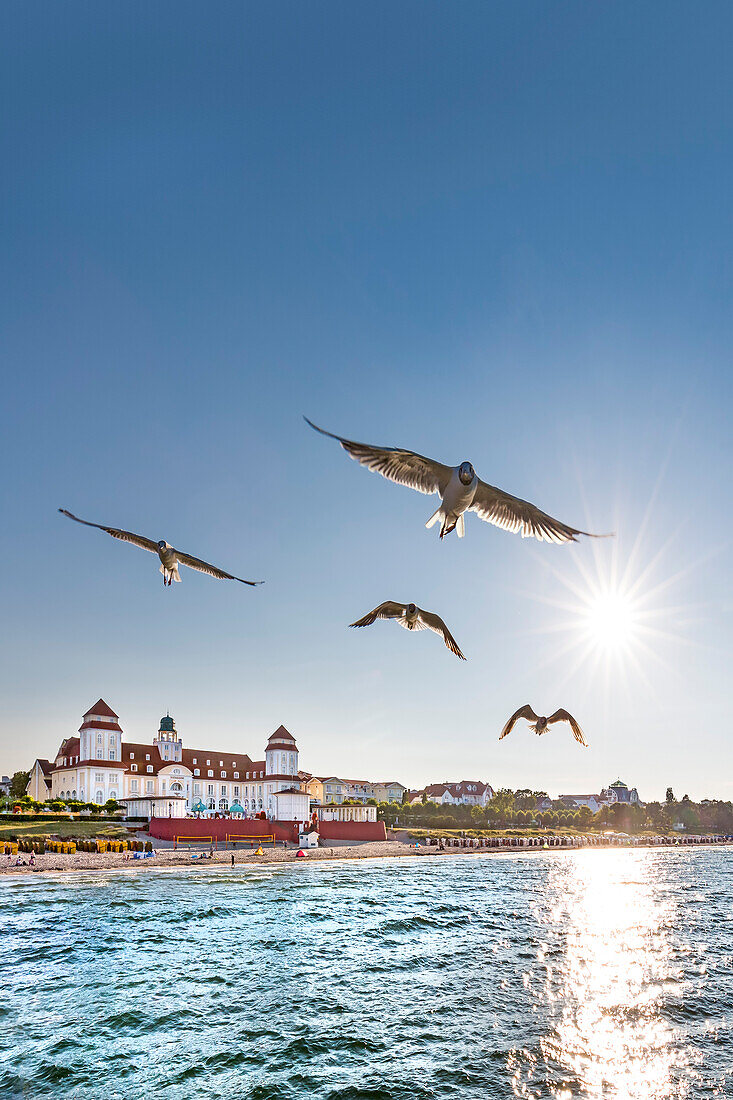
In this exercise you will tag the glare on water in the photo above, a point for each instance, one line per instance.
(603, 985)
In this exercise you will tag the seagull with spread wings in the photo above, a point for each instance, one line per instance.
(170, 558)
(540, 724)
(411, 617)
(461, 491)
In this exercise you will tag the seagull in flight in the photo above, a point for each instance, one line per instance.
(411, 617)
(170, 558)
(461, 491)
(540, 724)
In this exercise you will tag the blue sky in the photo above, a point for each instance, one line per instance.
(493, 231)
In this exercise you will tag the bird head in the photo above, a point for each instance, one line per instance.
(412, 608)
(466, 473)
(163, 545)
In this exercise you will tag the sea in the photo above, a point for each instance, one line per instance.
(597, 973)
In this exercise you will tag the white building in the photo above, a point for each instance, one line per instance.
(165, 778)
(469, 792)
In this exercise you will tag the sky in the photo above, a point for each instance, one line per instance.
(489, 231)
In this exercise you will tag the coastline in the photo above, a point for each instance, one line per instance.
(169, 859)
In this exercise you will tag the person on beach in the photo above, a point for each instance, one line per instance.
(32, 860)
(232, 859)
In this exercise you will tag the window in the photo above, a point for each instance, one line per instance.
(210, 773)
(100, 754)
(223, 790)
(99, 739)
(147, 755)
(149, 767)
(236, 792)
(112, 754)
(195, 760)
(133, 767)
(207, 763)
(132, 756)
(222, 775)
(134, 786)
(197, 788)
(176, 771)
(98, 777)
(223, 804)
(99, 798)
(149, 786)
(234, 763)
(221, 763)
(236, 775)
(196, 771)
(210, 789)
(247, 776)
(211, 804)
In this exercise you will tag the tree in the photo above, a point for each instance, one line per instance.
(669, 796)
(112, 806)
(18, 784)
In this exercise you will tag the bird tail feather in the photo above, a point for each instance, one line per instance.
(460, 526)
(438, 514)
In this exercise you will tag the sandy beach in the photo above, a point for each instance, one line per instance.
(169, 858)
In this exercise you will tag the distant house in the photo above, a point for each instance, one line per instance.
(469, 792)
(332, 789)
(620, 792)
(38, 786)
(575, 801)
(609, 796)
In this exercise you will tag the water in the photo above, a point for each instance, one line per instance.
(599, 974)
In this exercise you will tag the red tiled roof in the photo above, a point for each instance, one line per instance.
(232, 762)
(281, 734)
(101, 726)
(46, 766)
(100, 707)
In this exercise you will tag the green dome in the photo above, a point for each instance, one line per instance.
(167, 725)
(236, 808)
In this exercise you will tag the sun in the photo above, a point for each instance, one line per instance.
(610, 619)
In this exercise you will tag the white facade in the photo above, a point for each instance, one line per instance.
(165, 777)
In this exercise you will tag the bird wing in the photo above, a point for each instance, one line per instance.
(565, 716)
(435, 623)
(404, 467)
(523, 712)
(116, 533)
(503, 510)
(212, 570)
(387, 610)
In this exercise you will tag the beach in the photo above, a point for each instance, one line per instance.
(51, 862)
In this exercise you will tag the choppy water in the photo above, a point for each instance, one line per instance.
(591, 974)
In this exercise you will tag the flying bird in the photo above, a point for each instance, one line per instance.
(540, 724)
(170, 558)
(411, 617)
(461, 491)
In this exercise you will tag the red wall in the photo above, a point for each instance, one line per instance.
(352, 830)
(166, 828)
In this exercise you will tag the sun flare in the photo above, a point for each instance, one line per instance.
(610, 619)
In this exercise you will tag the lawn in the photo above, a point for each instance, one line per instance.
(60, 829)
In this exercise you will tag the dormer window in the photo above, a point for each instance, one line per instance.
(147, 755)
(210, 773)
(234, 763)
(236, 775)
(196, 771)
(207, 763)
(132, 756)
(221, 763)
(223, 775)
(133, 767)
(149, 767)
(195, 760)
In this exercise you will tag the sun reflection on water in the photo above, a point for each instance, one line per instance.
(603, 971)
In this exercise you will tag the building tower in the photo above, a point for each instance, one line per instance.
(281, 765)
(100, 734)
(167, 740)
